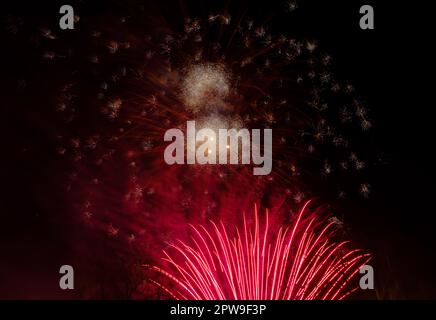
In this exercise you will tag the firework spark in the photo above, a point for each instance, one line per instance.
(260, 262)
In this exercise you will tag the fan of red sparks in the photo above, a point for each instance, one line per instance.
(302, 261)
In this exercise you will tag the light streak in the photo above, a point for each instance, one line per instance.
(262, 262)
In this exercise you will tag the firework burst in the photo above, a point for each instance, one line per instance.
(107, 93)
(302, 261)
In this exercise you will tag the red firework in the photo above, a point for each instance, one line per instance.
(298, 262)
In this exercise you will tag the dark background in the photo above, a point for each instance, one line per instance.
(389, 66)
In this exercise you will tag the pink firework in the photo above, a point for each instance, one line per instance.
(298, 262)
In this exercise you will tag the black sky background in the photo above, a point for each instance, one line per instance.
(390, 68)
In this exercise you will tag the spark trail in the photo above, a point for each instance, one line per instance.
(302, 261)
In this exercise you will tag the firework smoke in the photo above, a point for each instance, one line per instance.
(261, 262)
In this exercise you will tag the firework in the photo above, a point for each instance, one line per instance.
(107, 95)
(205, 85)
(302, 261)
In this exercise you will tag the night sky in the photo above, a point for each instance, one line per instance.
(47, 179)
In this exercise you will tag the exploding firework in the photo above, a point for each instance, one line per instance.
(107, 95)
(223, 71)
(261, 262)
(205, 85)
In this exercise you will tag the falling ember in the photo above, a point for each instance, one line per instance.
(260, 262)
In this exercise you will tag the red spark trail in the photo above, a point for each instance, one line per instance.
(259, 262)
